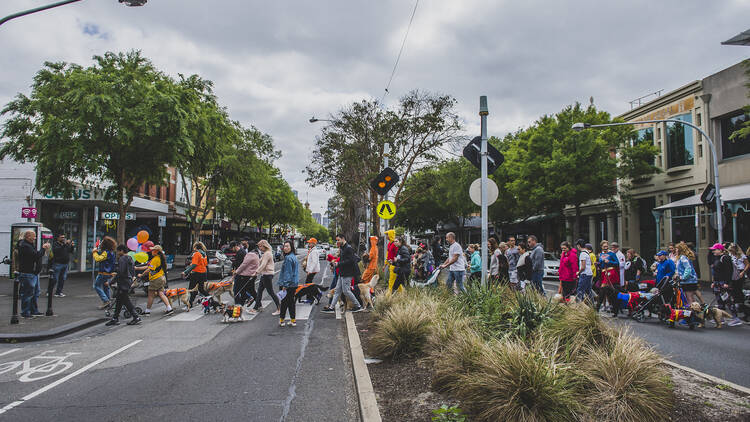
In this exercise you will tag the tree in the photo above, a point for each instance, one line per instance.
(116, 124)
(550, 166)
(351, 149)
(743, 134)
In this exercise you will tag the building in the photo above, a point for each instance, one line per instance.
(666, 207)
(318, 217)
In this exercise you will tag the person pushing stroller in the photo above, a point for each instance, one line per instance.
(123, 277)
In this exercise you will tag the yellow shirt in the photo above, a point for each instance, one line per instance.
(152, 266)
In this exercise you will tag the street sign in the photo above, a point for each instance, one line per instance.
(28, 212)
(475, 191)
(384, 181)
(472, 153)
(709, 195)
(361, 227)
(386, 210)
(162, 220)
(107, 215)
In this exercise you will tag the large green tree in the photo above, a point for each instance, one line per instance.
(115, 124)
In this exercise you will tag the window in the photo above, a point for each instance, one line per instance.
(680, 149)
(683, 220)
(733, 148)
(698, 120)
(645, 135)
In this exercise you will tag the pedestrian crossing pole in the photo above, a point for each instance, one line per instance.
(386, 155)
(483, 112)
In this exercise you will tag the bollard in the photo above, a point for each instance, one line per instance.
(14, 317)
(50, 287)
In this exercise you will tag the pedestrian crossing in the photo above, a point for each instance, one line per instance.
(304, 311)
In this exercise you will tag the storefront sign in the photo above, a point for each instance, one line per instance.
(179, 224)
(27, 212)
(80, 193)
(116, 215)
(162, 220)
(67, 215)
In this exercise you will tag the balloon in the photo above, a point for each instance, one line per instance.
(131, 254)
(132, 244)
(140, 257)
(142, 236)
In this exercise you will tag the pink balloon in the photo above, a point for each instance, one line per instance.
(133, 244)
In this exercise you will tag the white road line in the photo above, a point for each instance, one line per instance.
(7, 352)
(67, 377)
(303, 311)
(187, 316)
(338, 311)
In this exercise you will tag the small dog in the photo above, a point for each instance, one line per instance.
(366, 291)
(209, 303)
(312, 291)
(231, 312)
(217, 288)
(180, 295)
(711, 312)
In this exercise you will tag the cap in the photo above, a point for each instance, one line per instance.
(662, 253)
(716, 246)
(147, 245)
(156, 248)
(588, 246)
(313, 240)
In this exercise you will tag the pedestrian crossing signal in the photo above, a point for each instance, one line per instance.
(384, 181)
(386, 210)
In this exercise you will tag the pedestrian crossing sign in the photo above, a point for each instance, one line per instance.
(386, 210)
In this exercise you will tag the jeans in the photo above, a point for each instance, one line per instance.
(458, 277)
(100, 288)
(584, 288)
(266, 283)
(29, 292)
(60, 272)
(334, 281)
(536, 280)
(345, 287)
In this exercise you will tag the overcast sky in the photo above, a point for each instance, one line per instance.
(275, 64)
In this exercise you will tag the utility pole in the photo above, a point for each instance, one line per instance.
(483, 112)
(386, 155)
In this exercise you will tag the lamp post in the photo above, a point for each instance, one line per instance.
(62, 3)
(715, 161)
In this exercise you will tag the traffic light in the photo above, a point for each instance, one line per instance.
(472, 152)
(384, 181)
(709, 195)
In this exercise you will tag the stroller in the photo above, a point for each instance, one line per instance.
(125, 313)
(655, 303)
(670, 304)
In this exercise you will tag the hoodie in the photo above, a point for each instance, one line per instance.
(372, 267)
(568, 265)
(392, 249)
(476, 262)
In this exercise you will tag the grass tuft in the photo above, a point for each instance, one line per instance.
(578, 326)
(403, 330)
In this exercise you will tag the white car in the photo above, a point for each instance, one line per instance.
(551, 266)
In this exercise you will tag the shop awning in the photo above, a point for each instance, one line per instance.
(734, 193)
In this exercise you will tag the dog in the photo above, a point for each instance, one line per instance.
(210, 303)
(181, 295)
(312, 291)
(711, 312)
(231, 312)
(217, 288)
(366, 291)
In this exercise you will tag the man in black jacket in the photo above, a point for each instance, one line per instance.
(347, 266)
(61, 251)
(124, 278)
(29, 266)
(239, 254)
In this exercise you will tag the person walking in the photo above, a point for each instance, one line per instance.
(245, 276)
(523, 267)
(402, 264)
(456, 264)
(239, 254)
(312, 260)
(28, 267)
(740, 266)
(347, 266)
(686, 273)
(513, 254)
(585, 273)
(156, 270)
(197, 271)
(494, 250)
(288, 282)
(621, 261)
(536, 254)
(609, 265)
(61, 251)
(475, 264)
(635, 268)
(438, 252)
(266, 271)
(391, 253)
(372, 260)
(568, 273)
(104, 254)
(125, 272)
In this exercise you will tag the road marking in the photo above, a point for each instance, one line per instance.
(338, 311)
(303, 310)
(187, 316)
(67, 377)
(7, 352)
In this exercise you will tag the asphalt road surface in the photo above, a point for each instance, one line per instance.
(188, 366)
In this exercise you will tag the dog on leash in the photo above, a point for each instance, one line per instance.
(217, 288)
(710, 312)
(366, 290)
(231, 313)
(311, 291)
(210, 303)
(180, 294)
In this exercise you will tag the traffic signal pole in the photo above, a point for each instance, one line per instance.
(483, 112)
(386, 155)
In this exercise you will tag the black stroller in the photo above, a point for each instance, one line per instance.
(658, 304)
(125, 313)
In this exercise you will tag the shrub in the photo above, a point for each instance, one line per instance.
(402, 331)
(448, 414)
(487, 305)
(629, 383)
(457, 357)
(447, 326)
(383, 304)
(531, 310)
(517, 382)
(578, 326)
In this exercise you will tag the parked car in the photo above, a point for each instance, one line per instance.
(218, 263)
(551, 266)
(326, 247)
(322, 253)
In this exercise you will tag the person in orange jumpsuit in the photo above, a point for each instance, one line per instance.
(372, 266)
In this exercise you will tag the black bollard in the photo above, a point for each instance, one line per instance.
(14, 317)
(50, 287)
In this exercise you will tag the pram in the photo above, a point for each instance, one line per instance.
(656, 303)
(432, 280)
(112, 304)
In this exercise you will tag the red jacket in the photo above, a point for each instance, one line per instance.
(568, 265)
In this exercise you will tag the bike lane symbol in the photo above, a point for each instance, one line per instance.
(39, 367)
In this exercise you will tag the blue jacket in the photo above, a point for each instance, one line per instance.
(476, 262)
(686, 271)
(665, 269)
(289, 275)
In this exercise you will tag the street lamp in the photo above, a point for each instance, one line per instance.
(62, 3)
(314, 120)
(715, 161)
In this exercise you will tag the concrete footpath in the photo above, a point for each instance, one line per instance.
(76, 311)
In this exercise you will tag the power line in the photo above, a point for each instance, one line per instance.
(403, 43)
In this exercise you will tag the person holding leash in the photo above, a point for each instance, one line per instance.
(157, 280)
(124, 278)
(197, 271)
(266, 270)
(245, 276)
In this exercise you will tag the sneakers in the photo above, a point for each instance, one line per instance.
(59, 294)
(169, 312)
(734, 322)
(281, 323)
(146, 312)
(135, 321)
(113, 321)
(293, 323)
(276, 312)
(328, 310)
(358, 309)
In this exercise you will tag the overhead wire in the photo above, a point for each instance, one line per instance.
(401, 50)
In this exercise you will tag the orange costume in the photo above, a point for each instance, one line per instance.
(372, 267)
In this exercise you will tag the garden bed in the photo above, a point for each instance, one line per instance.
(405, 388)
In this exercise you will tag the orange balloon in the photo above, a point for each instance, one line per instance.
(142, 236)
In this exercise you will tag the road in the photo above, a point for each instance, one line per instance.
(723, 353)
(188, 366)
